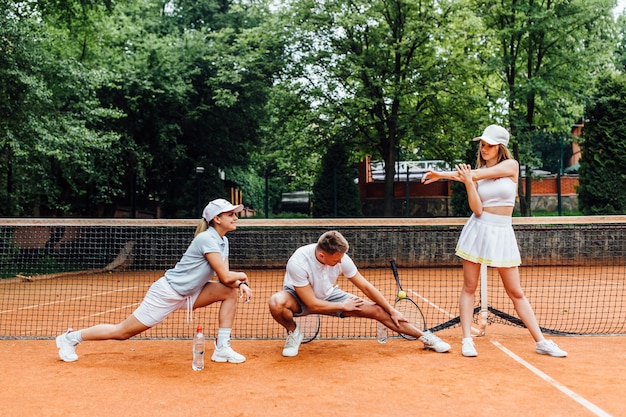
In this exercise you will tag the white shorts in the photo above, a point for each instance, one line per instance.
(489, 239)
(161, 301)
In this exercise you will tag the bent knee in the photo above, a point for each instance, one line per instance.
(232, 292)
(280, 301)
(276, 302)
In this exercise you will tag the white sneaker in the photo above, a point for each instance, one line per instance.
(67, 348)
(431, 341)
(548, 347)
(469, 349)
(292, 344)
(226, 354)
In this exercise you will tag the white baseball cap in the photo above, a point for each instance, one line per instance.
(495, 135)
(219, 206)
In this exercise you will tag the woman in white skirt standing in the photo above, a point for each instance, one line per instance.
(488, 237)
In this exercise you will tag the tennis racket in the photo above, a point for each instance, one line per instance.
(309, 326)
(407, 306)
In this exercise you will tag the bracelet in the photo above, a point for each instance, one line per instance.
(241, 283)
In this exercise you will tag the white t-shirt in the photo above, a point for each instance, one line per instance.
(303, 269)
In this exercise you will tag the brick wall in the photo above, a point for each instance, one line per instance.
(549, 185)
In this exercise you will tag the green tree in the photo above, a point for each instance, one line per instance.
(543, 56)
(335, 193)
(291, 141)
(52, 129)
(551, 150)
(192, 80)
(620, 51)
(17, 87)
(602, 172)
(387, 71)
(116, 104)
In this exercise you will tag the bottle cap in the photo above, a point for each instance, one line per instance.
(199, 329)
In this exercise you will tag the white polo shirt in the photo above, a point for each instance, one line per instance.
(193, 270)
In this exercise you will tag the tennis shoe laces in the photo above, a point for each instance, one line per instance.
(468, 349)
(548, 347)
(67, 348)
(226, 354)
(292, 344)
(433, 342)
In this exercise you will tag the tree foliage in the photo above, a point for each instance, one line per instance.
(114, 105)
(543, 55)
(194, 91)
(53, 126)
(603, 162)
(122, 101)
(334, 193)
(386, 70)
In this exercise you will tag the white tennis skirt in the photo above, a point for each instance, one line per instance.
(489, 239)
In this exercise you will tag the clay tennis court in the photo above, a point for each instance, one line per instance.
(344, 373)
(342, 377)
(328, 378)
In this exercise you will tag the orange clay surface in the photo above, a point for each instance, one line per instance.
(327, 378)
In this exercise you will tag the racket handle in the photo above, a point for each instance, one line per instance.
(394, 267)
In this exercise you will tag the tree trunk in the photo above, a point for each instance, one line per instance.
(524, 206)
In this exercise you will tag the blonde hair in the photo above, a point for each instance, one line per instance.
(503, 154)
(333, 242)
(202, 226)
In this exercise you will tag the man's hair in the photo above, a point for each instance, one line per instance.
(333, 242)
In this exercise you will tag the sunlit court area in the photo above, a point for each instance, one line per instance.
(99, 271)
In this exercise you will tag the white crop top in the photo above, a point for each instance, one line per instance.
(497, 192)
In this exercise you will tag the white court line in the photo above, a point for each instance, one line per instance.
(436, 307)
(109, 311)
(430, 303)
(574, 396)
(71, 299)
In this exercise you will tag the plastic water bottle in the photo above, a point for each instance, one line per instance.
(381, 333)
(197, 363)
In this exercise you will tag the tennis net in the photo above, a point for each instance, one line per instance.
(59, 273)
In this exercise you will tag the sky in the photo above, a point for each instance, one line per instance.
(621, 4)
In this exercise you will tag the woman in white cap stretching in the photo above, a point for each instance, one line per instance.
(189, 285)
(488, 237)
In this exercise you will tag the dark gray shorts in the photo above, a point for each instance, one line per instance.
(337, 296)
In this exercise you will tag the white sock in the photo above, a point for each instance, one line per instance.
(75, 337)
(223, 335)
